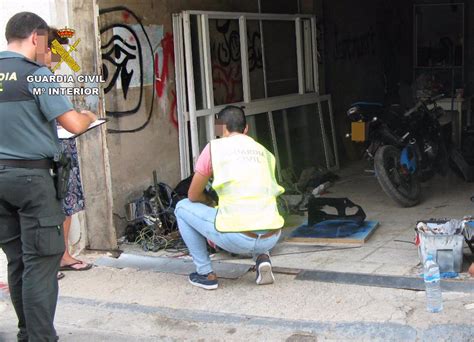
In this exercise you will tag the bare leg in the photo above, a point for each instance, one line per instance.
(67, 258)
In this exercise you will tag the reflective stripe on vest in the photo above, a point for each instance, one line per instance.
(244, 179)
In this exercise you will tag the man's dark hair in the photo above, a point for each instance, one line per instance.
(22, 25)
(53, 34)
(233, 118)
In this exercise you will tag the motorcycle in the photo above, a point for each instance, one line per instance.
(406, 147)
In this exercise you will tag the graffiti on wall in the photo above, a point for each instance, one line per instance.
(255, 51)
(227, 49)
(135, 56)
(125, 43)
(162, 75)
(354, 46)
(225, 58)
(228, 80)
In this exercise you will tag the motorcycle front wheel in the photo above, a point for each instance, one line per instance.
(402, 187)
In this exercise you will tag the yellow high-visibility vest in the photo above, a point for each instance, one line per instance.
(244, 179)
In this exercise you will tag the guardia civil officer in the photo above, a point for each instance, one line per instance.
(31, 218)
(247, 220)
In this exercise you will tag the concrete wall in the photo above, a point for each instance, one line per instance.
(368, 51)
(93, 146)
(367, 47)
(152, 143)
(468, 46)
(469, 53)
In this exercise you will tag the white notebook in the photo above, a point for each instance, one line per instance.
(64, 134)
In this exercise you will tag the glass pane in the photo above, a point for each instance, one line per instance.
(254, 44)
(263, 133)
(329, 134)
(252, 132)
(308, 55)
(201, 121)
(299, 138)
(280, 57)
(226, 62)
(198, 66)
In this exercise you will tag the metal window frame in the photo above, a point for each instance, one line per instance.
(181, 96)
(308, 55)
(184, 72)
(209, 90)
(326, 143)
(249, 15)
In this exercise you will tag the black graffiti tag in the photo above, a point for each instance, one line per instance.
(228, 50)
(118, 55)
(354, 46)
(255, 52)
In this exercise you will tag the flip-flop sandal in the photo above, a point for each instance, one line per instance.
(71, 267)
(60, 275)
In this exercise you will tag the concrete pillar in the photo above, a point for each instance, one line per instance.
(94, 155)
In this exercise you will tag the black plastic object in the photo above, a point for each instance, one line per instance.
(364, 111)
(316, 213)
(183, 186)
(395, 282)
(62, 170)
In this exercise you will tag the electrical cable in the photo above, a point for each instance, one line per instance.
(302, 252)
(151, 240)
(317, 250)
(120, 217)
(404, 241)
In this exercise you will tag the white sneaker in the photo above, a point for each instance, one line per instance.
(264, 270)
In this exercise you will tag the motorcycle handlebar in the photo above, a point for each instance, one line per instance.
(436, 98)
(412, 110)
(421, 102)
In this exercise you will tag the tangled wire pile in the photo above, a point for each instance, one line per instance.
(152, 223)
(150, 239)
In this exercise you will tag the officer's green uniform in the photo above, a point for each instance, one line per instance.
(30, 214)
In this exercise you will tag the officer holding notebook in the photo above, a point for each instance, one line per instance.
(31, 233)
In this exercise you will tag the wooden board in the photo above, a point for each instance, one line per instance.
(333, 233)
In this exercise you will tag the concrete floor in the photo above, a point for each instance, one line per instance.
(390, 250)
(106, 304)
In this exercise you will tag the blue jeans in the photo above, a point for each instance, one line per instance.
(196, 224)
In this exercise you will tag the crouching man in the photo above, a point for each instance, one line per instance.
(247, 219)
